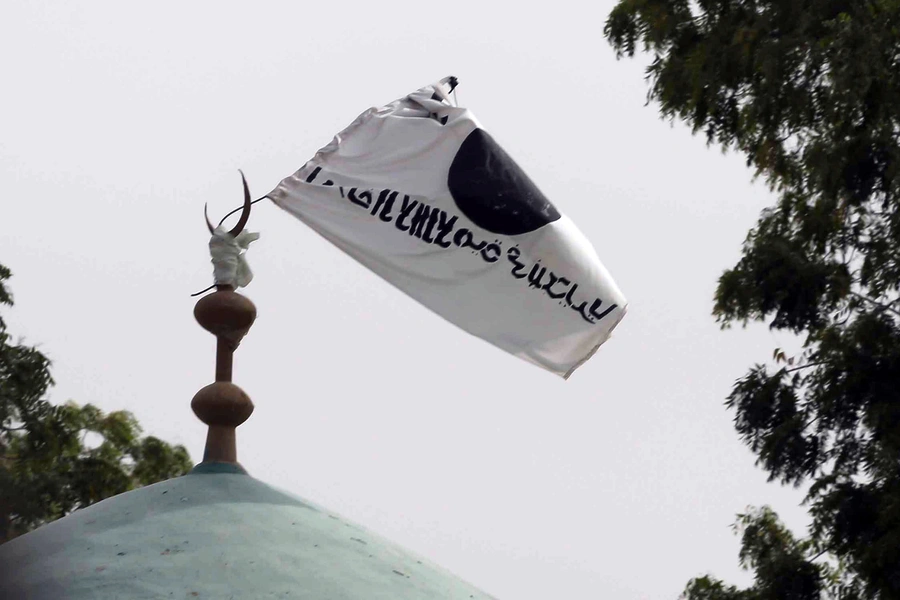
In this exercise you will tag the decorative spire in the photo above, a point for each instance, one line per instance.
(227, 315)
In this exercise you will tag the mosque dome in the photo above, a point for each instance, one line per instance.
(217, 532)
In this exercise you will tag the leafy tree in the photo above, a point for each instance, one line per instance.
(809, 92)
(48, 463)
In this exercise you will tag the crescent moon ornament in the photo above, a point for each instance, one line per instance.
(206, 215)
(245, 211)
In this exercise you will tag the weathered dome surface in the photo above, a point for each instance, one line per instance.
(214, 534)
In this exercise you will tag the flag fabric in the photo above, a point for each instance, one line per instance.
(421, 194)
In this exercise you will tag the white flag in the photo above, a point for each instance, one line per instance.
(422, 195)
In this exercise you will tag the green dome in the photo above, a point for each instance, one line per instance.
(216, 533)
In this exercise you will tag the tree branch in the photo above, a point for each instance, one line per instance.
(886, 307)
(806, 366)
(811, 421)
(817, 555)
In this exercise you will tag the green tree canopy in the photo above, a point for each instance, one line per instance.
(58, 458)
(809, 92)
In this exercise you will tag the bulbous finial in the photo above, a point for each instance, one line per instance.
(227, 315)
(222, 405)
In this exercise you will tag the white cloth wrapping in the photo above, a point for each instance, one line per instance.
(419, 193)
(228, 257)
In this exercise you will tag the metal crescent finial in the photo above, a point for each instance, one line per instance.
(206, 214)
(245, 213)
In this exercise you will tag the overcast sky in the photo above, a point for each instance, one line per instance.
(117, 123)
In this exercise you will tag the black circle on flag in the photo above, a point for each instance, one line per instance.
(493, 191)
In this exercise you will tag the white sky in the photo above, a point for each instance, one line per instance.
(117, 123)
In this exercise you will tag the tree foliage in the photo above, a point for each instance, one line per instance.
(809, 92)
(58, 458)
